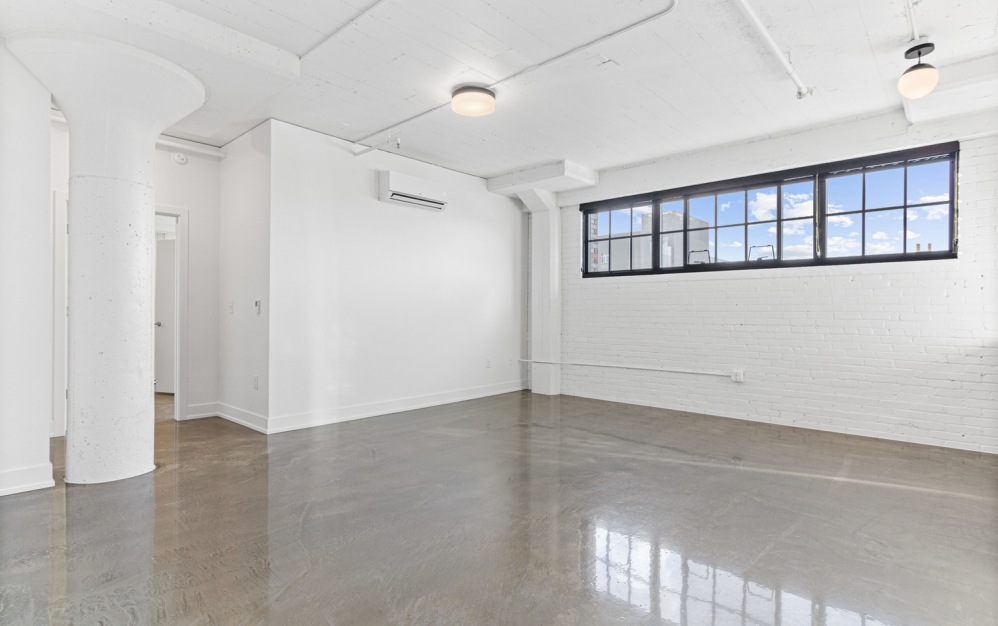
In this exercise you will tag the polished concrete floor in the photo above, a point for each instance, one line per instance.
(514, 509)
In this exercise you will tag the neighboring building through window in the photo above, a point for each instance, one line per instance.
(889, 207)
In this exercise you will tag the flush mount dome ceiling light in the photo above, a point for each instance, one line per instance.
(921, 78)
(473, 101)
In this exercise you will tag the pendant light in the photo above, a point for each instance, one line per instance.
(921, 78)
(473, 101)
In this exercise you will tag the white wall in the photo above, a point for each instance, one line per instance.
(192, 187)
(378, 307)
(244, 277)
(904, 351)
(25, 282)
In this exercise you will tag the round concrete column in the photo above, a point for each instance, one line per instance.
(117, 100)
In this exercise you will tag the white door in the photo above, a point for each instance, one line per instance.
(166, 314)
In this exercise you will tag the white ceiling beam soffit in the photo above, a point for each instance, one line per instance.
(968, 87)
(580, 48)
(553, 178)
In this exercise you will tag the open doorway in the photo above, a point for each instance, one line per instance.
(166, 316)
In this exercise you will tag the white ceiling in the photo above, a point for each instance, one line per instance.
(696, 77)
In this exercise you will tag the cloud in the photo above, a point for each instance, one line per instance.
(913, 235)
(798, 209)
(880, 235)
(793, 228)
(843, 221)
(943, 197)
(733, 244)
(835, 207)
(771, 229)
(936, 212)
(725, 205)
(842, 245)
(880, 248)
(912, 215)
(763, 207)
(798, 251)
(798, 204)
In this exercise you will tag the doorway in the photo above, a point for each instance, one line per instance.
(165, 329)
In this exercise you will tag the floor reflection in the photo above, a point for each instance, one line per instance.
(512, 509)
(680, 590)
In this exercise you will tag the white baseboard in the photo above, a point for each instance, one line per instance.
(248, 419)
(284, 423)
(28, 478)
(199, 411)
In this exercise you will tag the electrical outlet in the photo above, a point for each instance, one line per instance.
(232, 308)
(738, 376)
(510, 361)
(488, 363)
(256, 382)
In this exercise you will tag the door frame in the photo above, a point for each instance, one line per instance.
(181, 299)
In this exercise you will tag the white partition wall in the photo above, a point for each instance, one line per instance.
(25, 280)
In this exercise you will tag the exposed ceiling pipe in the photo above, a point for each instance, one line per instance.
(802, 89)
(911, 20)
(580, 48)
(339, 30)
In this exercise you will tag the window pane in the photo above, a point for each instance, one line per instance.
(884, 231)
(620, 222)
(731, 244)
(702, 212)
(641, 252)
(701, 247)
(672, 215)
(620, 254)
(798, 200)
(602, 225)
(928, 183)
(599, 225)
(844, 193)
(928, 228)
(599, 256)
(762, 204)
(641, 220)
(798, 239)
(844, 235)
(762, 242)
(731, 208)
(885, 188)
(671, 250)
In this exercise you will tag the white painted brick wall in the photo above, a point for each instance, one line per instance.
(905, 351)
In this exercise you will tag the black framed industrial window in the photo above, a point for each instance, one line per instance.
(889, 207)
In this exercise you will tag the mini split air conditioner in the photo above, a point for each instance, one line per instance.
(402, 189)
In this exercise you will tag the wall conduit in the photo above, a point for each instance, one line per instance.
(634, 367)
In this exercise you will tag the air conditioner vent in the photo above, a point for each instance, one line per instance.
(403, 189)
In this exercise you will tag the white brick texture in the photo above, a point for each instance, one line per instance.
(905, 351)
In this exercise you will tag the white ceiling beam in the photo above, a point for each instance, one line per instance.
(553, 177)
(964, 87)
